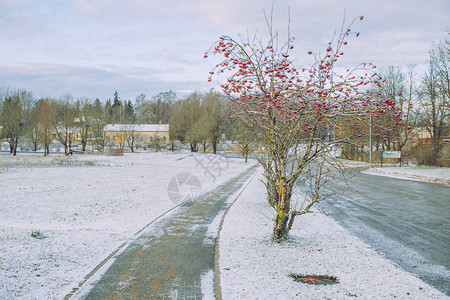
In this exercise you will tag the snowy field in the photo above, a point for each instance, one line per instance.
(61, 216)
(82, 208)
(253, 266)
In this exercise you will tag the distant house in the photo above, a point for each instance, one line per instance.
(144, 133)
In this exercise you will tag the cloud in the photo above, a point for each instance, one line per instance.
(17, 22)
(54, 80)
(93, 47)
(97, 8)
(7, 5)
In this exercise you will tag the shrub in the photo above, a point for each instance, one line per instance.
(426, 155)
(443, 159)
(115, 152)
(37, 234)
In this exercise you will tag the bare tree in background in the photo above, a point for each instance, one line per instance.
(132, 136)
(246, 138)
(14, 115)
(46, 118)
(183, 118)
(64, 115)
(214, 117)
(435, 95)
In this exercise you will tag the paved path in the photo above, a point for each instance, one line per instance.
(174, 259)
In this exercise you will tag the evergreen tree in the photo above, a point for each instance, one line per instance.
(107, 112)
(129, 112)
(117, 101)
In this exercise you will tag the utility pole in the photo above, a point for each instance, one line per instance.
(370, 141)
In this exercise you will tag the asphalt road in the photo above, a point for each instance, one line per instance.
(174, 257)
(406, 221)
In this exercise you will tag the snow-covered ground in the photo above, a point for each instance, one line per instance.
(421, 173)
(81, 209)
(429, 174)
(253, 266)
(84, 207)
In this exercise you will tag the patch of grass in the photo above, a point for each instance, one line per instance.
(58, 161)
(90, 163)
(37, 234)
(115, 152)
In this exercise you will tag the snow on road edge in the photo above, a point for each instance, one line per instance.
(253, 266)
(432, 175)
(439, 175)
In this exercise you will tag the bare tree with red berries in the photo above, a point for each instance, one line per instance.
(300, 115)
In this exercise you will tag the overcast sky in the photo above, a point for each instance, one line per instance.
(91, 48)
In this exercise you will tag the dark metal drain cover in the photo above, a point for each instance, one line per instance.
(315, 279)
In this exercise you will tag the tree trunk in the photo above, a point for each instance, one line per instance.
(214, 145)
(84, 138)
(280, 226)
(15, 143)
(283, 207)
(246, 150)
